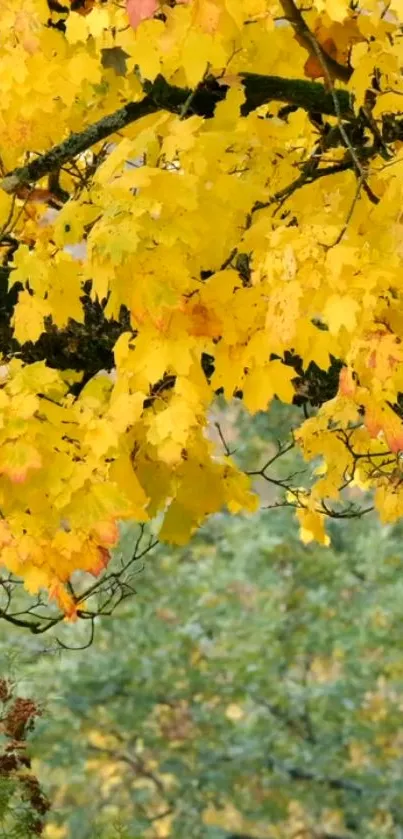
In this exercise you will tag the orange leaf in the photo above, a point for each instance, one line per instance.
(393, 431)
(347, 385)
(204, 322)
(313, 67)
(64, 600)
(107, 532)
(101, 563)
(372, 421)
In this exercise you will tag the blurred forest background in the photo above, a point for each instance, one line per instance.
(252, 687)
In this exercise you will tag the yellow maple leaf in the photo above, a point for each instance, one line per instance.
(123, 474)
(340, 310)
(76, 28)
(264, 382)
(29, 317)
(178, 525)
(312, 527)
(100, 436)
(17, 458)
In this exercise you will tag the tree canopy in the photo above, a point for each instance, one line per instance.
(196, 197)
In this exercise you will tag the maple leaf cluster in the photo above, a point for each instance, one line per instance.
(221, 181)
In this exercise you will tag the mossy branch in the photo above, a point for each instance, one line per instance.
(160, 95)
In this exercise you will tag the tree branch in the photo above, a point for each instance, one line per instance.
(311, 96)
(76, 144)
(305, 38)
(316, 835)
(299, 774)
(160, 95)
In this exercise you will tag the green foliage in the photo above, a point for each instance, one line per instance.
(302, 643)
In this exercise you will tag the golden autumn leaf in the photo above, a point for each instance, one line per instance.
(17, 458)
(29, 317)
(263, 383)
(312, 526)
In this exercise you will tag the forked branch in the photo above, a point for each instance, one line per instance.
(306, 39)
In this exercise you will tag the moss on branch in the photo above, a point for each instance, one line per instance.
(160, 95)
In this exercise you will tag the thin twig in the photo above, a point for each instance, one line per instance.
(226, 448)
(349, 216)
